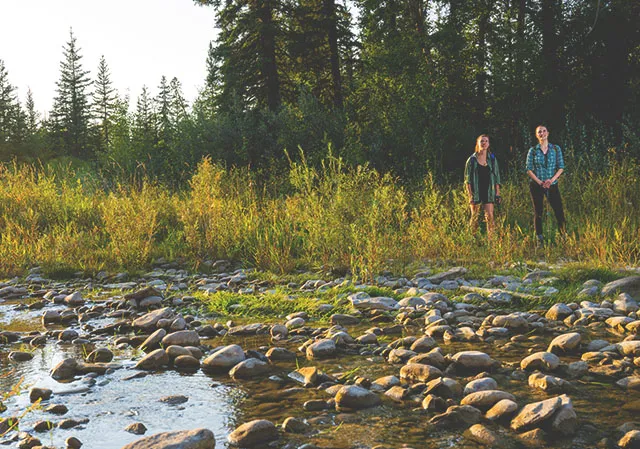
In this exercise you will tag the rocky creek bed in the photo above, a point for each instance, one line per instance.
(449, 361)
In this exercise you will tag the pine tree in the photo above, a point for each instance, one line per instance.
(178, 103)
(7, 104)
(33, 116)
(71, 111)
(104, 102)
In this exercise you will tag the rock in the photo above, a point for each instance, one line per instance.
(43, 426)
(535, 413)
(344, 320)
(186, 363)
(397, 393)
(295, 425)
(547, 383)
(72, 443)
(511, 321)
(558, 312)
(153, 341)
(51, 317)
(630, 440)
(39, 394)
(136, 428)
(484, 436)
(457, 416)
(544, 361)
(625, 304)
(423, 344)
(534, 438)
(100, 355)
(384, 383)
(295, 323)
(355, 397)
(483, 384)
(444, 387)
(321, 349)
(253, 433)
(149, 321)
(184, 439)
(433, 358)
(176, 351)
(280, 355)
(279, 331)
(629, 348)
(224, 359)
(307, 376)
(154, 360)
(629, 383)
(565, 343)
(378, 303)
(74, 299)
(249, 369)
(417, 372)
(400, 355)
(433, 403)
(181, 338)
(175, 399)
(473, 360)
(65, 370)
(57, 409)
(452, 273)
(629, 285)
(486, 399)
(502, 409)
(565, 420)
(20, 356)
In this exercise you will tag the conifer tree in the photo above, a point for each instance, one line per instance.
(33, 116)
(7, 104)
(104, 102)
(71, 110)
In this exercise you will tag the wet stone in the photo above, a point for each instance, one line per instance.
(253, 433)
(186, 439)
(136, 428)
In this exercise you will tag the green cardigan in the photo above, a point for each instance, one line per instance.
(471, 176)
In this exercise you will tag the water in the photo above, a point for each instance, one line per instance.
(221, 404)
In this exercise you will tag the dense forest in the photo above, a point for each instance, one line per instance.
(403, 85)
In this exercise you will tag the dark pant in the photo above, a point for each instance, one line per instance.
(553, 196)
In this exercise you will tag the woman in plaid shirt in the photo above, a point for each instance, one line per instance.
(545, 164)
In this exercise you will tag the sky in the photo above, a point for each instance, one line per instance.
(141, 40)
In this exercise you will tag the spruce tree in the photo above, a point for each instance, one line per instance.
(33, 116)
(104, 102)
(7, 104)
(71, 112)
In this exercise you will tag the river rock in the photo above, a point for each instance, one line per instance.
(378, 303)
(630, 285)
(249, 369)
(321, 349)
(565, 343)
(384, 383)
(558, 312)
(400, 355)
(483, 435)
(65, 370)
(452, 273)
(224, 359)
(136, 428)
(417, 372)
(295, 323)
(423, 344)
(532, 415)
(20, 356)
(457, 416)
(433, 358)
(444, 387)
(344, 320)
(625, 304)
(474, 360)
(51, 317)
(154, 360)
(544, 361)
(486, 399)
(547, 383)
(355, 397)
(483, 384)
(181, 338)
(279, 331)
(512, 321)
(502, 409)
(629, 348)
(100, 355)
(280, 355)
(249, 329)
(565, 420)
(630, 440)
(184, 439)
(629, 383)
(295, 425)
(149, 321)
(74, 299)
(41, 394)
(253, 433)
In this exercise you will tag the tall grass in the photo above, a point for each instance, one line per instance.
(332, 216)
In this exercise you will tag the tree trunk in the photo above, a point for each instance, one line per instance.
(268, 53)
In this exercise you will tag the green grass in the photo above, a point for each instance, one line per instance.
(331, 220)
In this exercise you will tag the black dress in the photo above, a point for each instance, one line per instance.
(483, 183)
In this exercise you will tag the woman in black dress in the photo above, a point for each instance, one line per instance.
(482, 181)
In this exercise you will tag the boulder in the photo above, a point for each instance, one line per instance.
(486, 399)
(355, 397)
(532, 415)
(181, 338)
(224, 359)
(321, 349)
(154, 360)
(148, 322)
(65, 370)
(629, 285)
(473, 360)
(565, 343)
(544, 361)
(417, 372)
(185, 439)
(253, 433)
(249, 369)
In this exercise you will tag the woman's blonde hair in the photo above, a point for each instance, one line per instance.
(478, 149)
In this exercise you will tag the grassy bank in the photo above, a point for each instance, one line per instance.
(335, 217)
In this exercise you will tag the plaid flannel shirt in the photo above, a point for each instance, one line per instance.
(544, 166)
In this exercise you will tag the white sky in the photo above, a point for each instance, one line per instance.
(141, 40)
